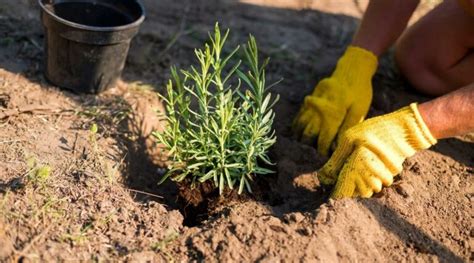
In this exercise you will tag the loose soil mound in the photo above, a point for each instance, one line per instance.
(68, 193)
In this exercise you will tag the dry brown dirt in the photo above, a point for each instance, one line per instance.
(100, 200)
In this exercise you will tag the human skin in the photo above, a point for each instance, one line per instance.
(435, 54)
(451, 114)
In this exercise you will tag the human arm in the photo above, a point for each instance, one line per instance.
(383, 23)
(343, 100)
(450, 115)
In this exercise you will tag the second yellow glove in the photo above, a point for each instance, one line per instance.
(338, 102)
(372, 152)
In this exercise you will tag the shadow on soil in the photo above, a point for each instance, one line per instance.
(171, 38)
(459, 150)
(409, 233)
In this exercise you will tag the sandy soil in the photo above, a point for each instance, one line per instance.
(100, 200)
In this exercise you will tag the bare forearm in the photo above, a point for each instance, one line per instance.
(383, 22)
(451, 114)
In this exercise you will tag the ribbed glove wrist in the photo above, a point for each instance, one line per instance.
(425, 138)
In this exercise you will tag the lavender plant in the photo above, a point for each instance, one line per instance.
(215, 130)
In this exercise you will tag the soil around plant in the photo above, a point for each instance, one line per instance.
(100, 199)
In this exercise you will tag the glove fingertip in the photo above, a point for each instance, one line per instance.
(297, 128)
(300, 124)
(327, 135)
(323, 148)
(326, 179)
(309, 134)
(344, 188)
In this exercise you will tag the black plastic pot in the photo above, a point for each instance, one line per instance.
(87, 41)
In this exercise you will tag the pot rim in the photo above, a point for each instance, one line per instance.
(135, 23)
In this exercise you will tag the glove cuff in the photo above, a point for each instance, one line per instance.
(357, 65)
(428, 138)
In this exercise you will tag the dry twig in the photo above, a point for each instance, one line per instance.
(30, 109)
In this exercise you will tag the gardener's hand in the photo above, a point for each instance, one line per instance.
(371, 153)
(339, 102)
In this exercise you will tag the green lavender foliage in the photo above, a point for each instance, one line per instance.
(227, 132)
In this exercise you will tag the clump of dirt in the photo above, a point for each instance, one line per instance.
(68, 193)
(201, 202)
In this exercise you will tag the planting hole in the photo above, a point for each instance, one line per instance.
(203, 202)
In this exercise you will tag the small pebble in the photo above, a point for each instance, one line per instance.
(405, 189)
(455, 179)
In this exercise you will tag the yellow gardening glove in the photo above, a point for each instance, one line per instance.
(371, 153)
(338, 102)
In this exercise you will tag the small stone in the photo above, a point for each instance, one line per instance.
(273, 220)
(323, 215)
(331, 202)
(455, 179)
(270, 258)
(309, 230)
(296, 217)
(405, 189)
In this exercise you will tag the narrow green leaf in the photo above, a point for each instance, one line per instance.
(241, 185)
(207, 176)
(244, 78)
